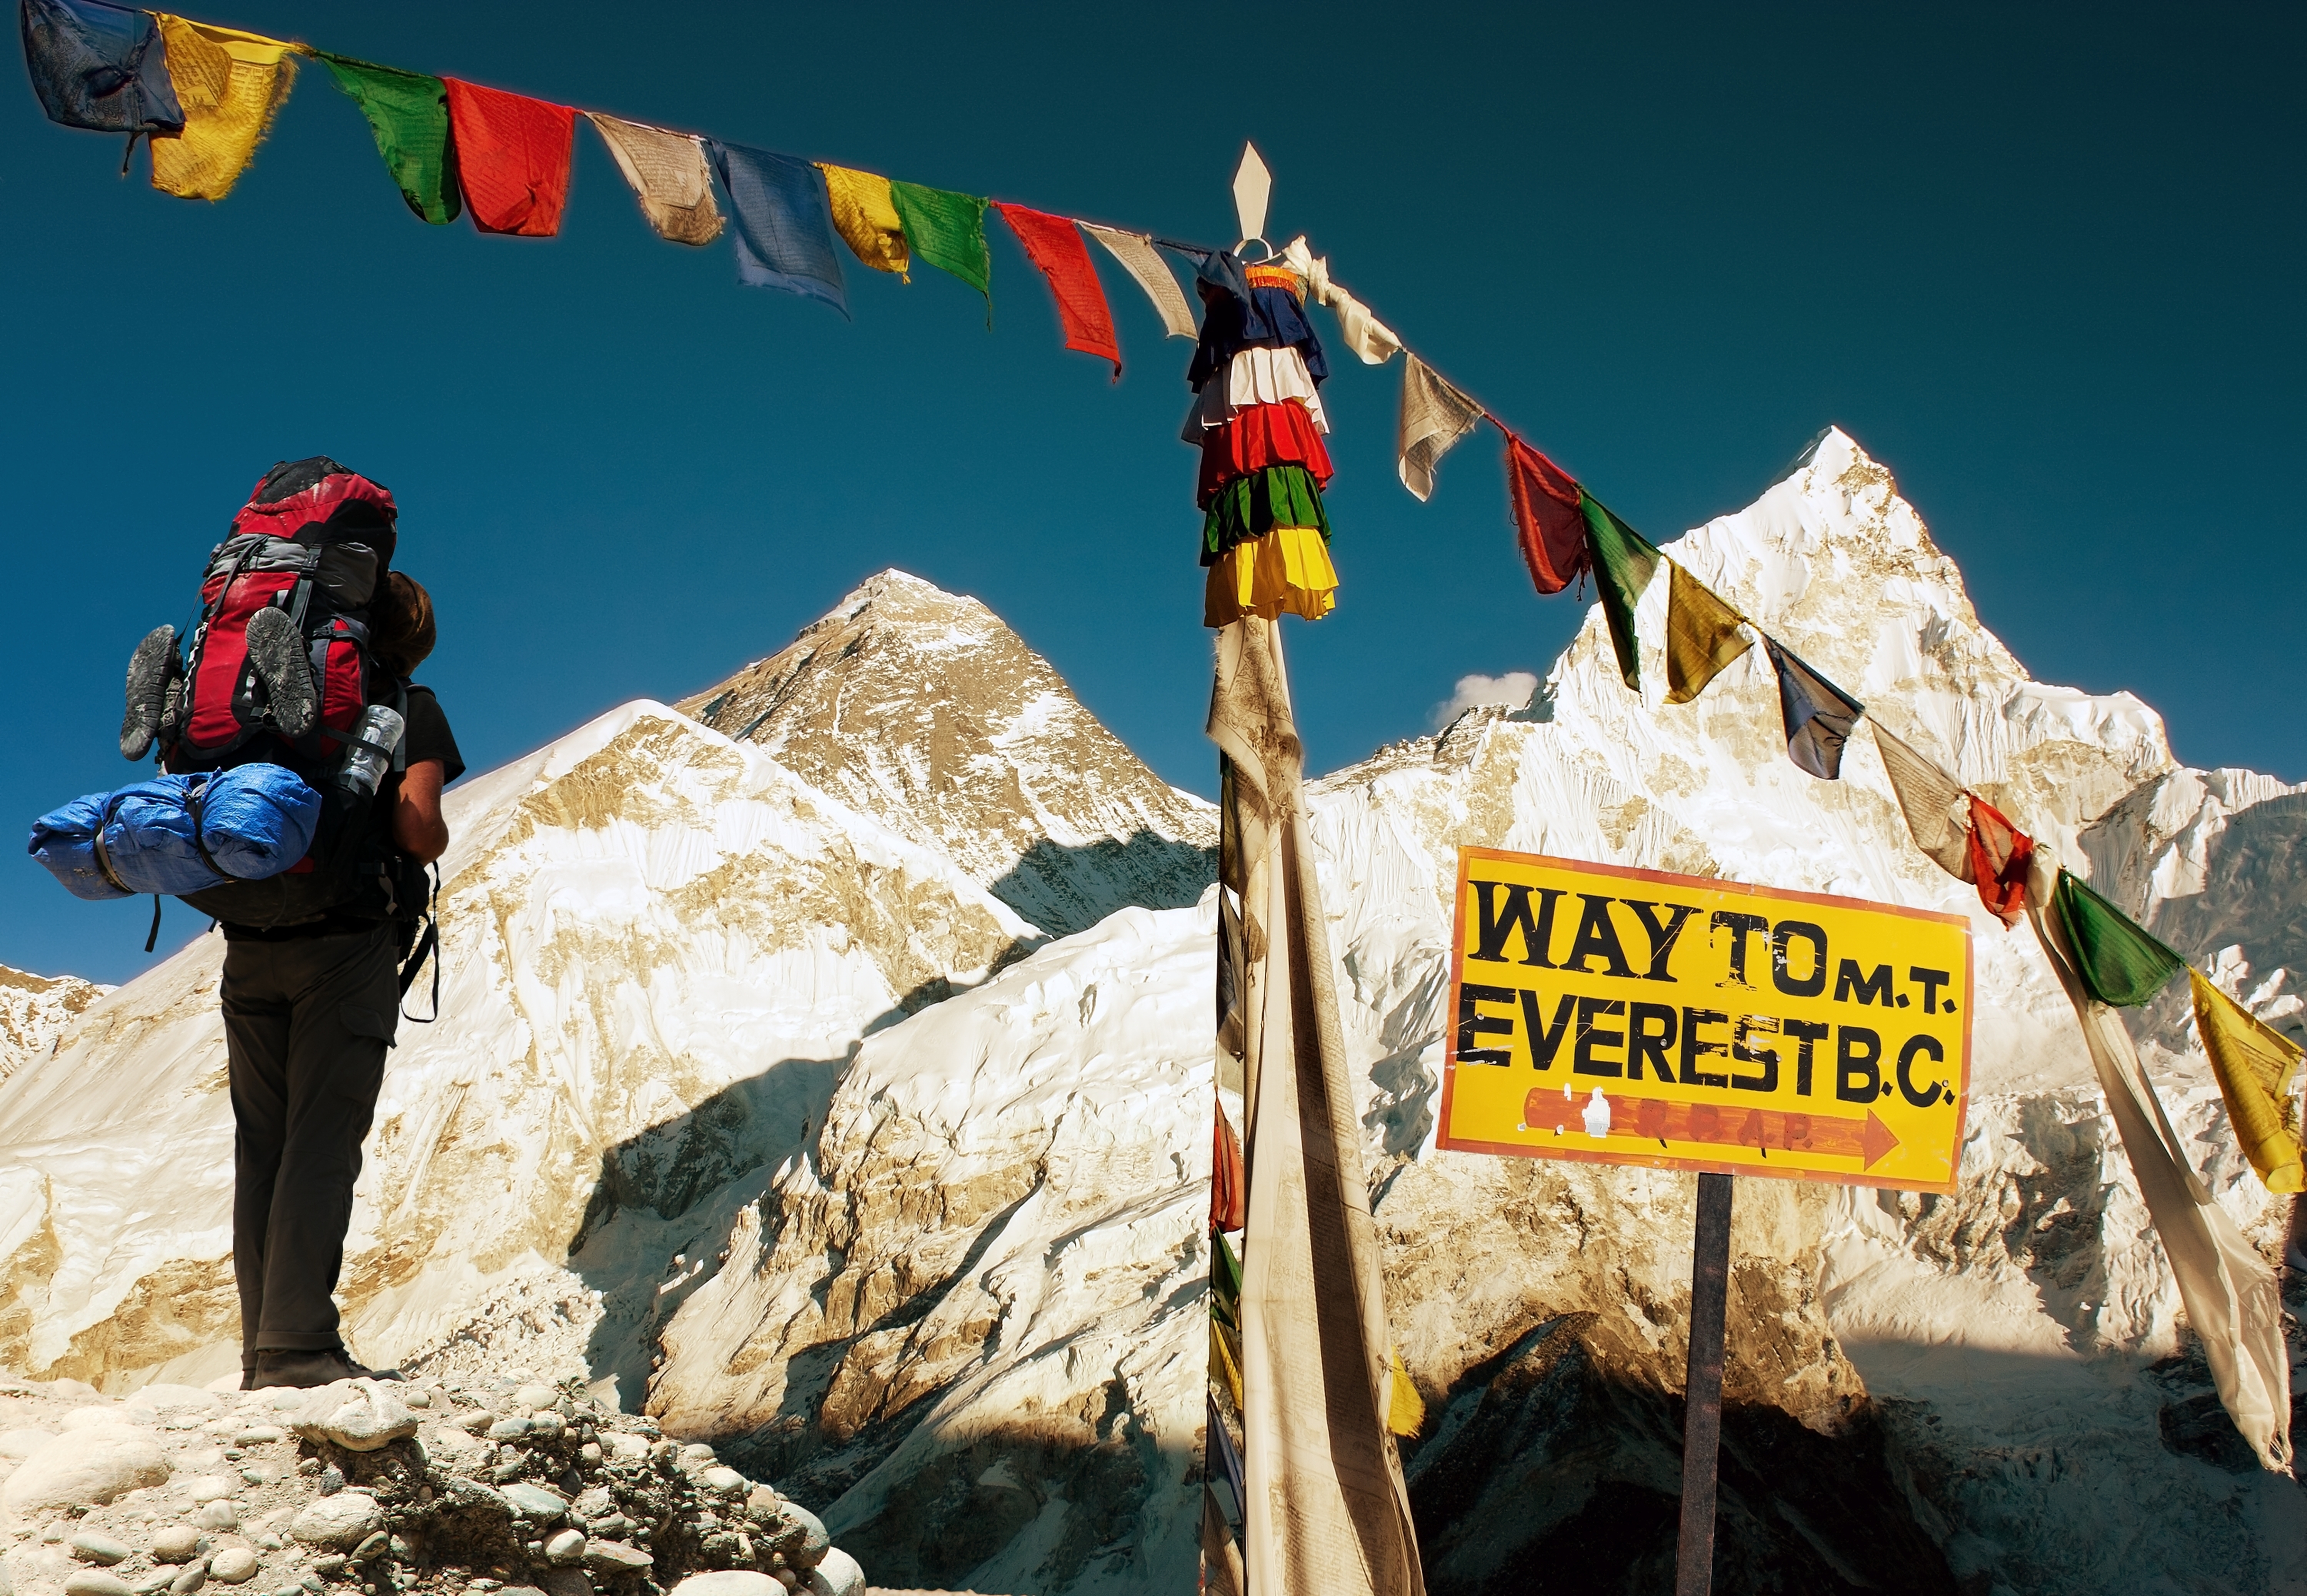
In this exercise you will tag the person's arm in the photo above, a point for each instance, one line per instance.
(417, 829)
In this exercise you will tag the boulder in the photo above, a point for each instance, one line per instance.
(359, 1416)
(20, 1444)
(535, 1502)
(339, 1522)
(209, 1488)
(613, 1557)
(175, 1543)
(90, 1547)
(729, 1582)
(234, 1566)
(96, 1582)
(85, 1468)
(837, 1575)
(567, 1547)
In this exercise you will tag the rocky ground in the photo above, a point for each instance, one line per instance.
(511, 1486)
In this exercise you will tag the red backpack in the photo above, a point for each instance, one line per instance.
(277, 668)
(312, 544)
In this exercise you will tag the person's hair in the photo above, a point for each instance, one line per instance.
(400, 624)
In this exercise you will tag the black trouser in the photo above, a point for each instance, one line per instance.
(307, 1024)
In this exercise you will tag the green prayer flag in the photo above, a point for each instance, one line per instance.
(2121, 964)
(948, 230)
(409, 113)
(1225, 1281)
(1624, 561)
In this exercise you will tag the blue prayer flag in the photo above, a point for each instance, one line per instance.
(783, 222)
(99, 66)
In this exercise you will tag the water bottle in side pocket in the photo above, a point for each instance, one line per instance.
(376, 734)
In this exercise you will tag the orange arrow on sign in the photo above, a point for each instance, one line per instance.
(1764, 1129)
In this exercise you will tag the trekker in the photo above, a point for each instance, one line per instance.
(309, 1011)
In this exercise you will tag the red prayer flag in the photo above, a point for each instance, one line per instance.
(1553, 532)
(1229, 1183)
(512, 158)
(1055, 245)
(1998, 857)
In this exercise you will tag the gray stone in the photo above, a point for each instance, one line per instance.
(209, 1488)
(724, 1480)
(217, 1516)
(417, 1397)
(87, 1467)
(332, 1480)
(561, 1581)
(331, 1566)
(371, 1547)
(536, 1503)
(805, 1541)
(545, 1427)
(259, 1435)
(95, 1582)
(614, 1557)
(594, 1503)
(566, 1547)
(837, 1575)
(695, 1454)
(341, 1522)
(90, 1547)
(729, 1582)
(359, 1416)
(234, 1566)
(175, 1543)
(509, 1429)
(189, 1579)
(534, 1396)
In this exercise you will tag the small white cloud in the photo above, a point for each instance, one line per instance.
(1514, 689)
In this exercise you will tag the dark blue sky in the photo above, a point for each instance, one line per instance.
(2043, 263)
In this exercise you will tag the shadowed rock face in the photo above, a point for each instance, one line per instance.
(922, 709)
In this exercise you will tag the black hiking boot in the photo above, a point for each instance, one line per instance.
(300, 1369)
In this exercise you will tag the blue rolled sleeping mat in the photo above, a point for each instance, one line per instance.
(178, 834)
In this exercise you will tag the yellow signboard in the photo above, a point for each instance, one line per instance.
(1631, 1017)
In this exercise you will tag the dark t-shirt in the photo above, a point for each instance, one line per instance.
(425, 736)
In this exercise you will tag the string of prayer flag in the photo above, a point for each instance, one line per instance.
(948, 230)
(1819, 715)
(2120, 963)
(2258, 1072)
(407, 113)
(1703, 635)
(1140, 259)
(668, 175)
(784, 228)
(1550, 526)
(100, 67)
(229, 85)
(1624, 561)
(1054, 245)
(512, 158)
(866, 216)
(1433, 417)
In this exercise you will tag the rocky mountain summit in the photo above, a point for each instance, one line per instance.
(828, 1064)
(921, 709)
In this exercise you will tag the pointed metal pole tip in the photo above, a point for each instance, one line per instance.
(1253, 186)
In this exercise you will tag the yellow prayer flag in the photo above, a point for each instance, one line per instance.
(2257, 1069)
(1222, 1367)
(230, 84)
(1702, 636)
(866, 218)
(1405, 1409)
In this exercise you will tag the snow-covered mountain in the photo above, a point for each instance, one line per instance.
(759, 1081)
(34, 1011)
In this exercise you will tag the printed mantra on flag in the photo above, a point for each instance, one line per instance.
(1633, 1017)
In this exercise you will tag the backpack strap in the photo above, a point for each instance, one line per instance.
(427, 945)
(104, 864)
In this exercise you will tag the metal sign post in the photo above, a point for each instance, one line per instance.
(1702, 1421)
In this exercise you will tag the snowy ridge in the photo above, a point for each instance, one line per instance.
(34, 1011)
